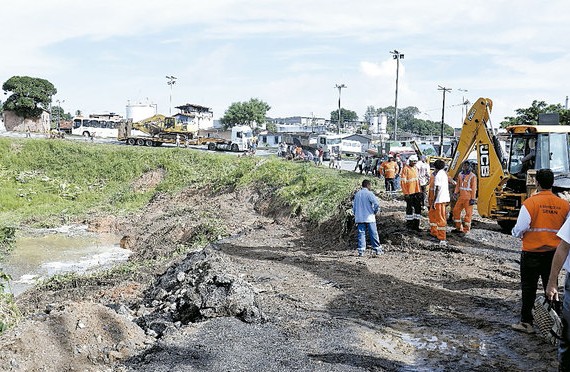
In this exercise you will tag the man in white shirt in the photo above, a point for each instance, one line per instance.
(441, 186)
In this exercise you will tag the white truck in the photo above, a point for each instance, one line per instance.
(240, 139)
(327, 142)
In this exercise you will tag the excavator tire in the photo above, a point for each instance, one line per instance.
(211, 146)
(235, 147)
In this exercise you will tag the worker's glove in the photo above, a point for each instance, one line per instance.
(471, 201)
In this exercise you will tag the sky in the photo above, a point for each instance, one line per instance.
(102, 54)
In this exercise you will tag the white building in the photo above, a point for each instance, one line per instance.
(195, 116)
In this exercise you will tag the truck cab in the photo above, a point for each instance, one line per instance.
(241, 137)
(327, 141)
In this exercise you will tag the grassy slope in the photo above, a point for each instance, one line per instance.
(50, 182)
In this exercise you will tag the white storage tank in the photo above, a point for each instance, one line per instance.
(140, 111)
(374, 124)
(383, 122)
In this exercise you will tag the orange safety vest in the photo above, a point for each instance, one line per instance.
(547, 214)
(389, 169)
(431, 189)
(466, 186)
(409, 181)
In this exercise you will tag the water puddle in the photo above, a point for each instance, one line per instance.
(42, 253)
(427, 348)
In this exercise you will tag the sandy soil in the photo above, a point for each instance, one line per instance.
(275, 294)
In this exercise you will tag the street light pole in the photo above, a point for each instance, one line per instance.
(464, 104)
(397, 56)
(339, 87)
(171, 81)
(444, 89)
(58, 112)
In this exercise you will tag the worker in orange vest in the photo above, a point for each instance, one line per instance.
(539, 220)
(388, 170)
(465, 194)
(412, 191)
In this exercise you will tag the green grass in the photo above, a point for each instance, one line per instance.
(50, 182)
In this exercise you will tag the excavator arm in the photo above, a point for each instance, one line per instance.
(475, 135)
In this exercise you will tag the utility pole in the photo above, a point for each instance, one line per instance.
(444, 90)
(397, 56)
(171, 81)
(339, 87)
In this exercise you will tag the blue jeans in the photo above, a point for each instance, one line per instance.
(372, 232)
(564, 347)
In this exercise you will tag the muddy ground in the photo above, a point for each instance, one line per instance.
(275, 294)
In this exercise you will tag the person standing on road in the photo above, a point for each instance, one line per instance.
(358, 163)
(365, 206)
(400, 167)
(562, 259)
(540, 218)
(389, 169)
(316, 157)
(177, 140)
(410, 184)
(441, 198)
(465, 194)
(423, 174)
(338, 164)
(321, 155)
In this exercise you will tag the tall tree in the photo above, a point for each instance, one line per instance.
(530, 115)
(252, 113)
(57, 113)
(407, 122)
(345, 115)
(29, 96)
(370, 113)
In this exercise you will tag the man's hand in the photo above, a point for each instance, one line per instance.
(471, 201)
(552, 291)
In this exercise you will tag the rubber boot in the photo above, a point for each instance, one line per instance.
(417, 225)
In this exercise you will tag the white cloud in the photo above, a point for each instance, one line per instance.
(290, 53)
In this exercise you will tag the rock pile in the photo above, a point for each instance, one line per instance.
(200, 287)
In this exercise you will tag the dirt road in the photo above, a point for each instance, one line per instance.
(276, 295)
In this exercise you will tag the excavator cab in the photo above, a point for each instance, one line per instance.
(537, 147)
(532, 147)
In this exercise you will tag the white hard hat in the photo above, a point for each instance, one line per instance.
(413, 158)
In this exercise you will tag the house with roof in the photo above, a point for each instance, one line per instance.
(195, 117)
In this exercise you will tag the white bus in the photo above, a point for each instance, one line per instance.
(98, 127)
(350, 147)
